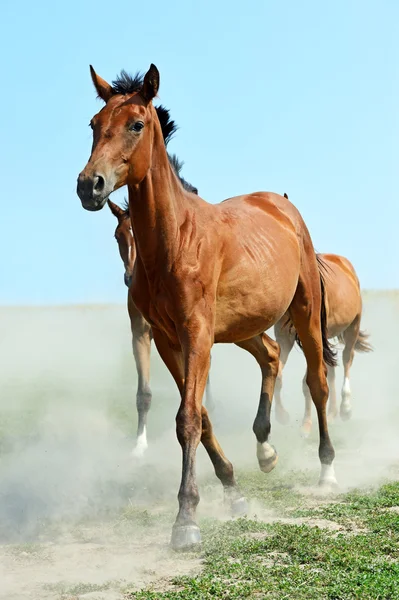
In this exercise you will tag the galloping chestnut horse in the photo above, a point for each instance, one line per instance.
(141, 330)
(208, 273)
(344, 313)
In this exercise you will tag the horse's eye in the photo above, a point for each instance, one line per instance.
(137, 126)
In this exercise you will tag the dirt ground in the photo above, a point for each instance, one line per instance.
(79, 517)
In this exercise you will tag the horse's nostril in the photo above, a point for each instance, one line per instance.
(98, 183)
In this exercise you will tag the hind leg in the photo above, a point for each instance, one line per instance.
(350, 337)
(266, 352)
(286, 340)
(305, 313)
(332, 400)
(209, 401)
(307, 417)
(332, 404)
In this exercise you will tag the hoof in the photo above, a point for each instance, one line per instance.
(306, 428)
(185, 537)
(239, 507)
(327, 487)
(267, 464)
(282, 416)
(327, 481)
(346, 413)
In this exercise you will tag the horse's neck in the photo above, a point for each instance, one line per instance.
(158, 206)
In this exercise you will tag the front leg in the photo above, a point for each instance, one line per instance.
(332, 405)
(141, 344)
(193, 424)
(196, 345)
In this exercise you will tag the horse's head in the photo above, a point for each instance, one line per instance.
(125, 239)
(123, 134)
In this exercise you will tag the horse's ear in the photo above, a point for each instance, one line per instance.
(115, 209)
(286, 196)
(150, 84)
(104, 90)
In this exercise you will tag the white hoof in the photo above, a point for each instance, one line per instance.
(267, 456)
(141, 445)
(327, 477)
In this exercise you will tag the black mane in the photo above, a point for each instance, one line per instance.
(168, 126)
(125, 206)
(175, 163)
(127, 84)
(130, 84)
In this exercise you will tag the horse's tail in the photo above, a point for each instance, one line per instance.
(329, 354)
(362, 344)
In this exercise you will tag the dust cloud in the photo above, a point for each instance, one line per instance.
(366, 447)
(68, 484)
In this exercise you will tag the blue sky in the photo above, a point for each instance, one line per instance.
(296, 97)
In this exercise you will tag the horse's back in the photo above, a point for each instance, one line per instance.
(344, 301)
(263, 206)
(260, 265)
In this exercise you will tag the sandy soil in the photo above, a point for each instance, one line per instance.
(67, 421)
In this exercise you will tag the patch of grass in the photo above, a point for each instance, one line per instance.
(28, 550)
(251, 559)
(141, 517)
(365, 509)
(272, 491)
(65, 590)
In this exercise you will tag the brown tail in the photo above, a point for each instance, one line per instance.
(329, 354)
(362, 345)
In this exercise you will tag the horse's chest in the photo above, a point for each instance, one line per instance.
(153, 305)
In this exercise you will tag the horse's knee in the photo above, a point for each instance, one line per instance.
(188, 426)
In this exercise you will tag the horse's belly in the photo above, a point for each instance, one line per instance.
(259, 276)
(243, 314)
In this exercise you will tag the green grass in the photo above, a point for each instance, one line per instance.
(252, 559)
(273, 492)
